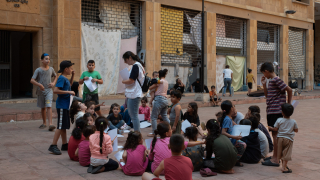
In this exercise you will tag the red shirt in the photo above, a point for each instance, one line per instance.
(178, 168)
(72, 147)
(145, 111)
(84, 153)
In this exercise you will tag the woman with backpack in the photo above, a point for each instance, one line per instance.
(134, 86)
(160, 105)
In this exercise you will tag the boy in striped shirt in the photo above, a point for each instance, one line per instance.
(276, 96)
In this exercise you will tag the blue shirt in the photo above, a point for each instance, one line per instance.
(63, 100)
(227, 123)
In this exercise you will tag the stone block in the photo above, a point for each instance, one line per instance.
(37, 38)
(75, 7)
(36, 115)
(67, 38)
(46, 7)
(204, 97)
(24, 117)
(33, 20)
(57, 22)
(47, 37)
(9, 117)
(67, 9)
(72, 53)
(72, 24)
(75, 39)
(46, 21)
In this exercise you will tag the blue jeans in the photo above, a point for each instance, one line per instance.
(117, 126)
(227, 82)
(160, 106)
(133, 108)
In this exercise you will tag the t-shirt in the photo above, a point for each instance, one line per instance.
(191, 119)
(135, 166)
(264, 145)
(78, 115)
(212, 94)
(197, 86)
(134, 72)
(134, 90)
(63, 100)
(252, 154)
(145, 111)
(227, 73)
(238, 118)
(114, 120)
(162, 88)
(286, 128)
(266, 132)
(84, 153)
(196, 154)
(227, 123)
(72, 147)
(276, 95)
(44, 77)
(94, 75)
(178, 168)
(250, 78)
(225, 153)
(179, 88)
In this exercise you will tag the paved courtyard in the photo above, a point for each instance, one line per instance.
(24, 151)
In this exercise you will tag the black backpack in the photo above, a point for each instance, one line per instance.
(146, 83)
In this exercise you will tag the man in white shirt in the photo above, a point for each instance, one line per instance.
(227, 76)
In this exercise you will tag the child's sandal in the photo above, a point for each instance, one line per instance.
(205, 172)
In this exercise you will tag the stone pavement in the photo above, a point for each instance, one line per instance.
(24, 154)
(27, 109)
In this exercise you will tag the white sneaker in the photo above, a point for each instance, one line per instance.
(127, 128)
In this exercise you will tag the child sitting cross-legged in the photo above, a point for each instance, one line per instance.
(264, 145)
(83, 151)
(134, 155)
(89, 118)
(115, 119)
(175, 167)
(76, 137)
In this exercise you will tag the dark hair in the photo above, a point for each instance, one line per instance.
(101, 124)
(161, 130)
(246, 122)
(133, 140)
(219, 119)
(176, 94)
(226, 107)
(249, 70)
(267, 66)
(163, 73)
(257, 115)
(88, 130)
(227, 66)
(74, 109)
(77, 131)
(89, 104)
(254, 122)
(111, 108)
(254, 109)
(86, 115)
(219, 114)
(287, 109)
(177, 80)
(194, 106)
(213, 87)
(135, 57)
(214, 132)
(154, 72)
(176, 143)
(75, 87)
(91, 61)
(191, 133)
(144, 99)
(44, 55)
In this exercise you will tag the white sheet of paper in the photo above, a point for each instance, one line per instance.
(118, 155)
(244, 130)
(91, 86)
(113, 135)
(148, 143)
(120, 147)
(119, 135)
(126, 131)
(294, 103)
(106, 130)
(184, 125)
(124, 73)
(141, 117)
(145, 124)
(71, 99)
(122, 163)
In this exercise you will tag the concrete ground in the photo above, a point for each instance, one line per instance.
(24, 151)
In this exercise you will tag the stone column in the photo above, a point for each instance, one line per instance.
(284, 53)
(309, 59)
(252, 50)
(58, 32)
(210, 49)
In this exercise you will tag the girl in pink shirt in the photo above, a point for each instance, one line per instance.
(144, 109)
(134, 155)
(83, 151)
(100, 147)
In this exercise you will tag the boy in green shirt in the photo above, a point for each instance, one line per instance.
(96, 78)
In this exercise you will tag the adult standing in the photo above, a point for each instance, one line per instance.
(160, 105)
(133, 86)
(227, 76)
(179, 86)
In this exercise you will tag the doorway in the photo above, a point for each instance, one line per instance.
(15, 64)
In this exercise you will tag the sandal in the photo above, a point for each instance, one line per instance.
(205, 172)
(288, 171)
(268, 158)
(51, 127)
(269, 163)
(95, 170)
(42, 126)
(239, 164)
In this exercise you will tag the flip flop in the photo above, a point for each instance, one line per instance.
(269, 163)
(288, 171)
(268, 158)
(205, 172)
(42, 126)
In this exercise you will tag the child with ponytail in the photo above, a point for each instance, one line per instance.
(227, 125)
(100, 147)
(159, 147)
(75, 138)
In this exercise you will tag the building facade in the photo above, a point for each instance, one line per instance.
(168, 31)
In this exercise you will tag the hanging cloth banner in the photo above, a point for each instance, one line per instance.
(220, 66)
(195, 30)
(104, 48)
(236, 64)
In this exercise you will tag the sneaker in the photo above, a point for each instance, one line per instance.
(42, 126)
(203, 126)
(90, 169)
(64, 147)
(127, 128)
(54, 149)
(51, 127)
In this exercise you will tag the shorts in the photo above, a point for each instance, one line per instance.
(213, 99)
(284, 148)
(95, 98)
(44, 101)
(63, 121)
(98, 162)
(272, 118)
(250, 85)
(178, 127)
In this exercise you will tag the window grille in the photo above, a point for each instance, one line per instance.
(124, 15)
(268, 44)
(180, 36)
(297, 53)
(231, 36)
